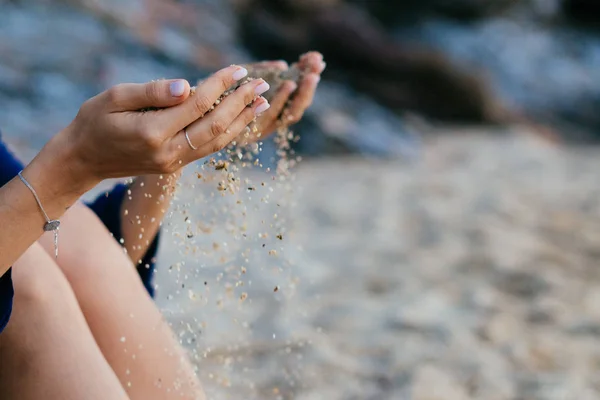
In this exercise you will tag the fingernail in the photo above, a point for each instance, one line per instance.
(317, 78)
(323, 65)
(240, 73)
(262, 107)
(177, 88)
(292, 86)
(260, 89)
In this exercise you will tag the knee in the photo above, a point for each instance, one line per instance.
(38, 280)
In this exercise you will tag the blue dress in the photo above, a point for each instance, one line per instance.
(106, 206)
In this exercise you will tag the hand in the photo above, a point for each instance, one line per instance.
(110, 137)
(299, 100)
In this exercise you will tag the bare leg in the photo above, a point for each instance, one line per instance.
(127, 325)
(47, 350)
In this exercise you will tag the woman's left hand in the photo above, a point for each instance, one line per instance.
(292, 100)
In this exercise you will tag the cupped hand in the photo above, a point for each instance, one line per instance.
(111, 137)
(291, 101)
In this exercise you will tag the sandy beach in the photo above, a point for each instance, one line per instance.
(471, 274)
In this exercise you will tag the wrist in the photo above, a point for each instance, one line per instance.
(58, 170)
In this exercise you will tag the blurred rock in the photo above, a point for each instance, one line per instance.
(391, 11)
(503, 328)
(359, 52)
(521, 284)
(343, 119)
(547, 75)
(46, 70)
(431, 383)
(582, 12)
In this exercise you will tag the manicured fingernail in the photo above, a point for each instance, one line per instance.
(264, 106)
(260, 89)
(240, 73)
(177, 88)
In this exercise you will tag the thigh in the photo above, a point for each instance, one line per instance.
(130, 330)
(47, 350)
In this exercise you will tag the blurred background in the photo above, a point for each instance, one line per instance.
(440, 239)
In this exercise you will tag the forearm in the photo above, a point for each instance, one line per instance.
(55, 177)
(143, 210)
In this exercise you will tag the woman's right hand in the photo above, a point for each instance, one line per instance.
(111, 137)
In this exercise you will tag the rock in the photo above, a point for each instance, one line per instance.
(539, 316)
(522, 284)
(520, 59)
(391, 11)
(582, 12)
(585, 328)
(360, 52)
(591, 303)
(432, 383)
(503, 328)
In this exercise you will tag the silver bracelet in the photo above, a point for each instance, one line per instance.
(51, 224)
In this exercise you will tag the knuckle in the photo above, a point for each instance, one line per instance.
(150, 137)
(217, 128)
(153, 141)
(248, 94)
(225, 84)
(113, 95)
(87, 106)
(225, 80)
(202, 104)
(152, 92)
(248, 116)
(163, 162)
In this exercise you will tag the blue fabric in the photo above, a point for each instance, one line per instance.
(9, 168)
(106, 206)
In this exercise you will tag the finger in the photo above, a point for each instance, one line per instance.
(188, 155)
(207, 93)
(278, 103)
(259, 107)
(230, 108)
(312, 62)
(303, 99)
(157, 94)
(218, 121)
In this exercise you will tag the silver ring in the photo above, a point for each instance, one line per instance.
(188, 140)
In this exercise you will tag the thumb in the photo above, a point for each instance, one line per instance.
(156, 94)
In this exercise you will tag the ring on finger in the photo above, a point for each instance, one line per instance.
(187, 138)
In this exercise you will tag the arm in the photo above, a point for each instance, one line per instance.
(55, 175)
(143, 210)
(151, 195)
(109, 138)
